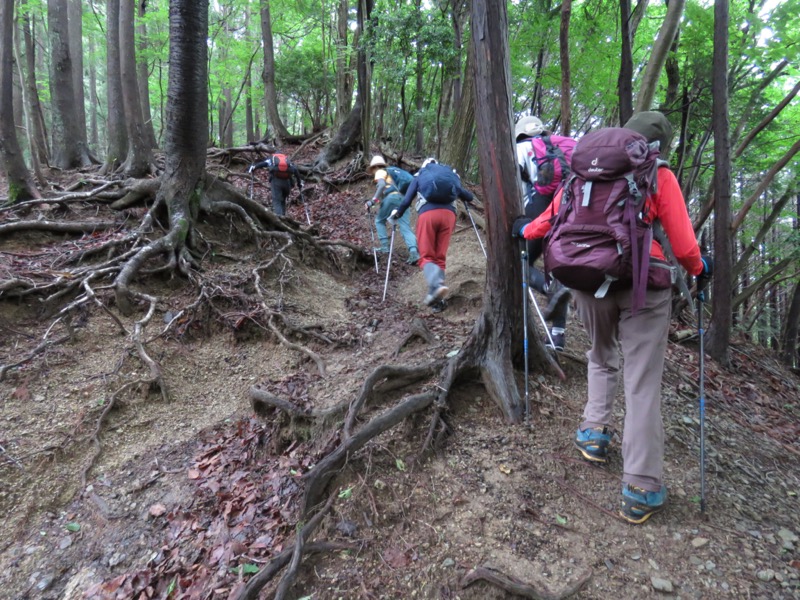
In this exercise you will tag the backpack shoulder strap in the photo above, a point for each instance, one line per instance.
(661, 237)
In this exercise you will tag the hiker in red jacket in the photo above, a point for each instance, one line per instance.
(613, 323)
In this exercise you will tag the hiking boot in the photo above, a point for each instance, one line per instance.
(638, 504)
(439, 294)
(593, 443)
(558, 297)
(413, 257)
(559, 341)
(438, 306)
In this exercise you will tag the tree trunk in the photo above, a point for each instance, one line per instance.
(364, 75)
(139, 157)
(20, 183)
(566, 85)
(625, 79)
(658, 56)
(94, 101)
(347, 137)
(38, 135)
(720, 330)
(143, 78)
(498, 332)
(789, 336)
(275, 125)
(767, 120)
(186, 134)
(249, 126)
(456, 151)
(344, 86)
(69, 151)
(75, 19)
(116, 129)
(754, 243)
(637, 16)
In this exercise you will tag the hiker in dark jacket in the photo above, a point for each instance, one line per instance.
(641, 335)
(388, 197)
(281, 171)
(530, 135)
(436, 188)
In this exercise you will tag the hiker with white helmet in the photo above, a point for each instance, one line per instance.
(436, 188)
(543, 161)
(388, 196)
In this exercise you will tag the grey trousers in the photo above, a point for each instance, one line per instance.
(643, 340)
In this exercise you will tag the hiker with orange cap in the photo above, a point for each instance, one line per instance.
(388, 197)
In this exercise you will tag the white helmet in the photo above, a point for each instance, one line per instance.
(528, 126)
(377, 161)
(428, 161)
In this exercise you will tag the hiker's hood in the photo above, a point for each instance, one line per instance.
(654, 126)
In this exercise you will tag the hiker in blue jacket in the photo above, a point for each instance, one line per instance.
(281, 171)
(542, 171)
(436, 188)
(388, 197)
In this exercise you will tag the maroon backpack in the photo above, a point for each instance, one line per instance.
(600, 236)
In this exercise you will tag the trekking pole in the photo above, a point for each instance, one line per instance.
(480, 241)
(524, 255)
(252, 178)
(305, 206)
(700, 331)
(388, 264)
(374, 249)
(541, 318)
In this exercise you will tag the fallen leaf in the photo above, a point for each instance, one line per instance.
(505, 469)
(194, 474)
(396, 558)
(157, 510)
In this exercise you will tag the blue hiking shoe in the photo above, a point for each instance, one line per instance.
(639, 504)
(593, 443)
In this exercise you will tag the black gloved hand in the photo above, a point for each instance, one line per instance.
(520, 223)
(705, 275)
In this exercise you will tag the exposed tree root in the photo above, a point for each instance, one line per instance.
(56, 226)
(512, 585)
(46, 343)
(381, 381)
(156, 379)
(293, 554)
(418, 330)
(319, 477)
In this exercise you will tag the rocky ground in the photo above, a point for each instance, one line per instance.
(191, 497)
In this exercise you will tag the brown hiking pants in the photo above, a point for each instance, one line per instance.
(643, 340)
